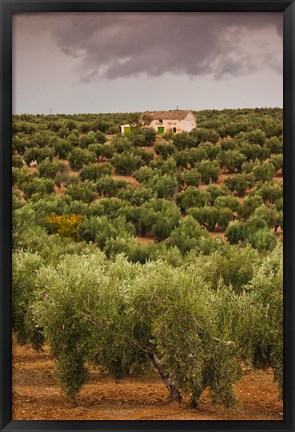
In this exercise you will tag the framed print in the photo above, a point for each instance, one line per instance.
(147, 215)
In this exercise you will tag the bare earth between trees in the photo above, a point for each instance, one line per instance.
(37, 396)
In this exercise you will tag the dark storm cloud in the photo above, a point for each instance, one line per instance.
(115, 45)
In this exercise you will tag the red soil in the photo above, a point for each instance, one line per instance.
(146, 239)
(36, 396)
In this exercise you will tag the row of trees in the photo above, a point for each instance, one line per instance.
(119, 315)
(144, 213)
(230, 154)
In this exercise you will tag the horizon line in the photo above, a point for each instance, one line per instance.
(131, 112)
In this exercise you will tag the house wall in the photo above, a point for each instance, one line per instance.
(125, 129)
(186, 124)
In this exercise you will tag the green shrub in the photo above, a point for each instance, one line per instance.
(126, 162)
(208, 170)
(192, 197)
(164, 150)
(95, 172)
(186, 236)
(85, 191)
(80, 157)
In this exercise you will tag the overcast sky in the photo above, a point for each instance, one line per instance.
(125, 62)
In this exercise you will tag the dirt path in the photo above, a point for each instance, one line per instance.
(36, 396)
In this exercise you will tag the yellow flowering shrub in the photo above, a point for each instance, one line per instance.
(65, 225)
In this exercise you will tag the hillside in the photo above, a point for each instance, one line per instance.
(148, 263)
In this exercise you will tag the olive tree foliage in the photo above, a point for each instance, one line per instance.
(142, 194)
(216, 191)
(256, 136)
(277, 161)
(121, 144)
(91, 138)
(255, 231)
(133, 250)
(157, 215)
(117, 315)
(249, 206)
(209, 217)
(144, 174)
(79, 157)
(126, 162)
(37, 154)
(212, 150)
(50, 169)
(239, 183)
(145, 155)
(274, 144)
(184, 140)
(235, 232)
(109, 187)
(186, 236)
(95, 172)
(167, 166)
(164, 186)
(258, 235)
(84, 191)
(264, 172)
(228, 144)
(17, 161)
(231, 265)
(62, 147)
(142, 137)
(191, 177)
(108, 300)
(270, 192)
(99, 229)
(252, 151)
(101, 151)
(192, 197)
(20, 142)
(202, 135)
(183, 158)
(254, 318)
(231, 160)
(37, 188)
(164, 150)
(112, 207)
(227, 201)
(269, 214)
(25, 266)
(208, 170)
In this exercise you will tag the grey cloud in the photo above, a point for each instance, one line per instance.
(116, 45)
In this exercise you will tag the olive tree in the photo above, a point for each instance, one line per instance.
(208, 170)
(187, 235)
(79, 157)
(192, 197)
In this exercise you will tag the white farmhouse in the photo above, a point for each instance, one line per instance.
(173, 120)
(125, 129)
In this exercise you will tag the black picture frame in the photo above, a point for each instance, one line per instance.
(7, 9)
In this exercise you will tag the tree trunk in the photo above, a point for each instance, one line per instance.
(194, 400)
(173, 392)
